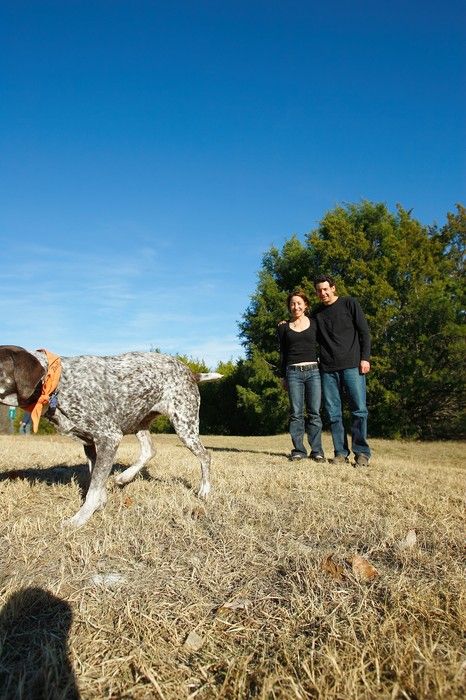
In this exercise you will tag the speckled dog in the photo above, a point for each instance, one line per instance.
(100, 399)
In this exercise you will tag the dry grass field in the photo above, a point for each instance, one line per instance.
(256, 594)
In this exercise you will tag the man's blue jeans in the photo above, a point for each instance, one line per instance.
(352, 384)
(304, 391)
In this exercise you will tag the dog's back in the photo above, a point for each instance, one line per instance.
(123, 391)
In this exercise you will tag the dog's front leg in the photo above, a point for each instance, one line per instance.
(96, 496)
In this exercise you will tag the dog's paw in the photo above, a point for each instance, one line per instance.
(83, 515)
(204, 491)
(72, 523)
(122, 480)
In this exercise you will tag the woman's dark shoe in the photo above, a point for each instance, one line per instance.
(296, 456)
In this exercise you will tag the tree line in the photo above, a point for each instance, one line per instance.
(409, 279)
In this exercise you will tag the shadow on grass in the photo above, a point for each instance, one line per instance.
(34, 656)
(255, 452)
(63, 474)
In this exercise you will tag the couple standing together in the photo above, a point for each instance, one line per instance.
(338, 326)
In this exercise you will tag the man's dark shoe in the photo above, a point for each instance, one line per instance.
(362, 460)
(317, 458)
(296, 456)
(339, 459)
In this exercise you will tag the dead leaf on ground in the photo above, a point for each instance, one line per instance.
(409, 541)
(236, 604)
(111, 579)
(363, 569)
(330, 566)
(193, 641)
(198, 512)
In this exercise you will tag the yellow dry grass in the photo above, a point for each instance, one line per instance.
(161, 596)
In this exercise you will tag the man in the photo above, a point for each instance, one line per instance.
(344, 339)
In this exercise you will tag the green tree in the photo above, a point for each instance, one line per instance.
(409, 279)
(261, 397)
(220, 413)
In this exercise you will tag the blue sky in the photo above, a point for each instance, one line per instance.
(152, 152)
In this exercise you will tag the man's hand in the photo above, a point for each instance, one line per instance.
(364, 367)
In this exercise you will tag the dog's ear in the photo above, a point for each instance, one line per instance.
(22, 368)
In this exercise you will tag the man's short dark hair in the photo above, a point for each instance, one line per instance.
(324, 278)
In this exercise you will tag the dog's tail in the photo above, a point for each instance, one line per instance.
(206, 376)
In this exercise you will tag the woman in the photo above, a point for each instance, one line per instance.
(301, 377)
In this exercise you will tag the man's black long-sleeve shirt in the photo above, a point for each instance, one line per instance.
(343, 334)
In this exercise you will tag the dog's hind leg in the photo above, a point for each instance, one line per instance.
(96, 496)
(188, 432)
(146, 453)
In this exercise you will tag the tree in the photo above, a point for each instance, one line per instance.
(409, 279)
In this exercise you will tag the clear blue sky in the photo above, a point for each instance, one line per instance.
(151, 152)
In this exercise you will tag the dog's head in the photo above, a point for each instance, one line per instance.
(20, 373)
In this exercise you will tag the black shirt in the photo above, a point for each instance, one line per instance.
(343, 334)
(296, 346)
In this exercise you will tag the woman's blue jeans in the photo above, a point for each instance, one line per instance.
(304, 391)
(352, 384)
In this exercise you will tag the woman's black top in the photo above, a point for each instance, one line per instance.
(296, 346)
